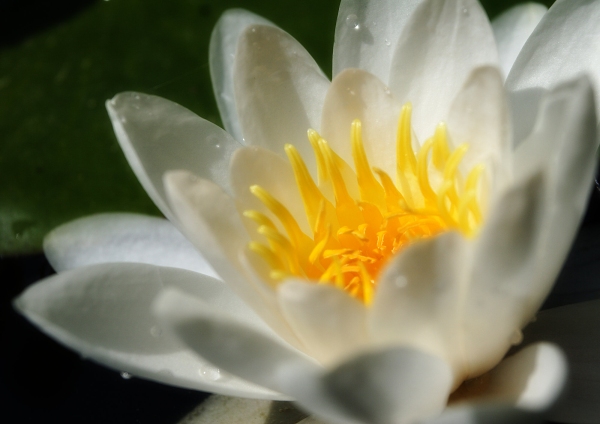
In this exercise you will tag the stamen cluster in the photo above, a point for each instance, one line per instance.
(352, 239)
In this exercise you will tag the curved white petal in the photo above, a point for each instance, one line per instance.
(212, 223)
(222, 48)
(229, 343)
(258, 166)
(563, 46)
(417, 300)
(331, 324)
(158, 135)
(575, 329)
(397, 385)
(483, 124)
(366, 34)
(498, 301)
(562, 145)
(512, 29)
(442, 43)
(121, 237)
(104, 313)
(519, 390)
(279, 90)
(357, 94)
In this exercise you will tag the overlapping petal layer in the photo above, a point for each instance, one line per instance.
(446, 309)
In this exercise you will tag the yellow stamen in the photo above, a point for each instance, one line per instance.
(358, 221)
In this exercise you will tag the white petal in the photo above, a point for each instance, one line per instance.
(223, 45)
(442, 43)
(356, 94)
(103, 312)
(398, 385)
(575, 329)
(255, 165)
(500, 298)
(532, 379)
(211, 221)
(483, 124)
(121, 237)
(366, 34)
(331, 324)
(563, 145)
(563, 46)
(157, 135)
(518, 390)
(512, 29)
(416, 301)
(279, 90)
(254, 355)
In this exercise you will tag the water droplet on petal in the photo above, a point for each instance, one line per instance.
(401, 282)
(387, 42)
(465, 11)
(210, 373)
(156, 331)
(352, 22)
(516, 338)
(123, 119)
(125, 375)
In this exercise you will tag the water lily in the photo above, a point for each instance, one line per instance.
(370, 247)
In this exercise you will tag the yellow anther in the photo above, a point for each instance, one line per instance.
(367, 284)
(267, 254)
(423, 172)
(311, 195)
(314, 138)
(358, 222)
(370, 189)
(441, 151)
(297, 237)
(394, 200)
(259, 218)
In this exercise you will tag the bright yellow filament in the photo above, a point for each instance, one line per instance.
(352, 239)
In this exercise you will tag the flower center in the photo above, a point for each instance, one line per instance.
(353, 238)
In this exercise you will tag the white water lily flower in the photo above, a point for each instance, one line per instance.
(381, 273)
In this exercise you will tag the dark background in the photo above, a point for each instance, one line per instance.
(40, 381)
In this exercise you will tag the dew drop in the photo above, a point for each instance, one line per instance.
(125, 375)
(465, 12)
(387, 42)
(253, 29)
(218, 146)
(155, 331)
(137, 96)
(516, 338)
(352, 22)
(211, 373)
(123, 119)
(401, 282)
